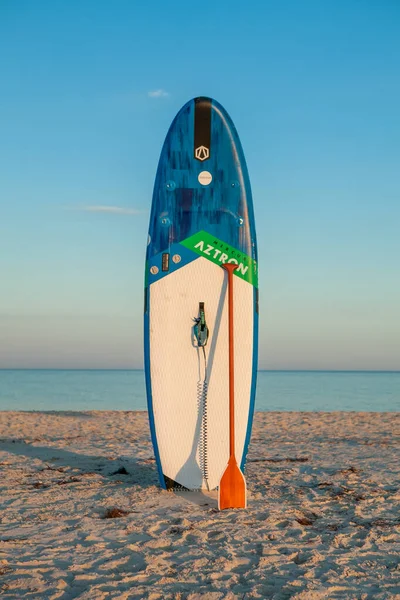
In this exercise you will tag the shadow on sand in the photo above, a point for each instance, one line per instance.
(142, 473)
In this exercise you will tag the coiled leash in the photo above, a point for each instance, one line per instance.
(201, 333)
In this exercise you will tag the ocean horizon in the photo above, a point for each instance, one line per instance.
(124, 389)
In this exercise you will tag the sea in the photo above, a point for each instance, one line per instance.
(44, 390)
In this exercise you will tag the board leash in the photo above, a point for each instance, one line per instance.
(201, 333)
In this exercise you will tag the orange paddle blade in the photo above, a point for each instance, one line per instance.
(232, 492)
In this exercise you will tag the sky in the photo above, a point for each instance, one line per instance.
(88, 89)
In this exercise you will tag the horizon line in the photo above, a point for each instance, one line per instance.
(142, 369)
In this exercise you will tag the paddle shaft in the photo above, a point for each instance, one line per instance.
(232, 486)
(229, 267)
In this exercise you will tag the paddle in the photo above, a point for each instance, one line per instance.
(232, 487)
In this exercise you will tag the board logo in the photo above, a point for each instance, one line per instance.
(217, 251)
(202, 153)
(205, 178)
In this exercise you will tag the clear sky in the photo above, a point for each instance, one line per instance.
(88, 89)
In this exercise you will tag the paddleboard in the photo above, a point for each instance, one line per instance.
(201, 217)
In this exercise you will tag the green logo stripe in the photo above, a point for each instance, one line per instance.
(219, 252)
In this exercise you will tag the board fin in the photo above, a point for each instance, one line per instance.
(171, 484)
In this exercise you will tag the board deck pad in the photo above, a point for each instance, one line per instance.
(201, 217)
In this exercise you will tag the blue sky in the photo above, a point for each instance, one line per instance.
(87, 92)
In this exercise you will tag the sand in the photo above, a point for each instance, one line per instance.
(82, 515)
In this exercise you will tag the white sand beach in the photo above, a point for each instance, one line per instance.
(323, 519)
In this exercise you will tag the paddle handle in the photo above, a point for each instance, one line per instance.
(229, 268)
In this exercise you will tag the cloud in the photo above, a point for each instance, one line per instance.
(158, 94)
(116, 210)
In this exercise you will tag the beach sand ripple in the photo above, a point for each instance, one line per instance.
(82, 514)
